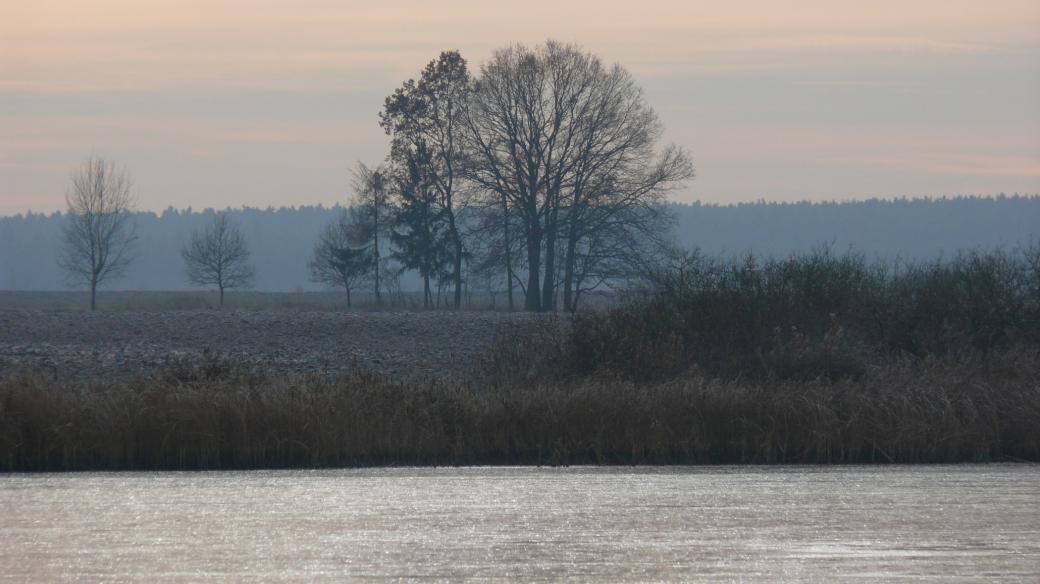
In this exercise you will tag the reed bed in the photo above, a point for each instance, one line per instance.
(820, 358)
(219, 415)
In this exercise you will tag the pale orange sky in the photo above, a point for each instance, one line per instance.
(270, 103)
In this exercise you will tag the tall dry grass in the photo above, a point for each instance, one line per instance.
(821, 358)
(960, 407)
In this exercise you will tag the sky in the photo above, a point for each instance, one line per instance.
(257, 103)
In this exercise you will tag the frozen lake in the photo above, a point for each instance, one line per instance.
(939, 523)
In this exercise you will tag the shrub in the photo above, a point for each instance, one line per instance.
(741, 317)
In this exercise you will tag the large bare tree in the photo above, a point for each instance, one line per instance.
(99, 233)
(567, 144)
(511, 132)
(218, 256)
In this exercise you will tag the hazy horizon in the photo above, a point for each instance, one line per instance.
(236, 104)
(347, 203)
(282, 240)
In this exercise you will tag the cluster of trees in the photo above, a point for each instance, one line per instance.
(542, 174)
(99, 236)
(282, 240)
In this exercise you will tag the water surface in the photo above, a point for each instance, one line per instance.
(939, 523)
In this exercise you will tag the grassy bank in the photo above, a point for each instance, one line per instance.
(963, 407)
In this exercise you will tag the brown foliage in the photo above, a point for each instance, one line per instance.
(970, 406)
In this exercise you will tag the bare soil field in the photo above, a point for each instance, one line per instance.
(163, 300)
(400, 344)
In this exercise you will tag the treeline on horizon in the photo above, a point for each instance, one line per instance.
(282, 239)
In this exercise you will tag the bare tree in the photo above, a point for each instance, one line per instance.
(340, 257)
(99, 234)
(494, 250)
(372, 198)
(218, 256)
(510, 131)
(554, 134)
(617, 252)
(617, 182)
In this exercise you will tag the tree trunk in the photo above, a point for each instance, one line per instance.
(458, 268)
(426, 290)
(533, 302)
(456, 239)
(379, 297)
(577, 297)
(569, 302)
(222, 296)
(93, 295)
(509, 286)
(508, 253)
(549, 285)
(348, 296)
(375, 251)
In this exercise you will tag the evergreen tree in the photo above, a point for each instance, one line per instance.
(420, 234)
(425, 121)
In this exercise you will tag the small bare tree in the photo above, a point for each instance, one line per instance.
(218, 256)
(99, 234)
(340, 258)
(372, 209)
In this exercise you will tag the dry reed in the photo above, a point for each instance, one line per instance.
(217, 415)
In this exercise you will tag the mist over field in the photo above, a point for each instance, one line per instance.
(282, 239)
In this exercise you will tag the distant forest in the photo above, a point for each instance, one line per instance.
(282, 240)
